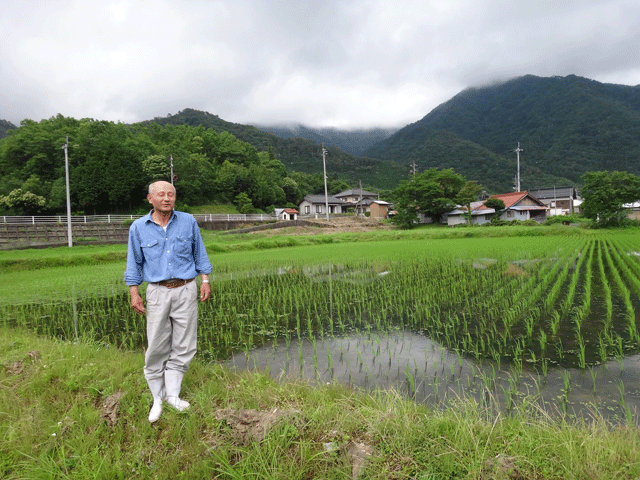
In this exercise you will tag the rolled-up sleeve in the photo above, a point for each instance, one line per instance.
(201, 259)
(133, 272)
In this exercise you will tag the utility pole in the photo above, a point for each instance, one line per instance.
(414, 168)
(171, 160)
(324, 168)
(518, 150)
(65, 147)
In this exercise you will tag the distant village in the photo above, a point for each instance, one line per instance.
(534, 205)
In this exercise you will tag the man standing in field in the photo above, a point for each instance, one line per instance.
(167, 251)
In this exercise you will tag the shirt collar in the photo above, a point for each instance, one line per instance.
(147, 217)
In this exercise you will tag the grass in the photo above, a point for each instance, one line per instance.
(51, 423)
(103, 265)
(214, 209)
(51, 406)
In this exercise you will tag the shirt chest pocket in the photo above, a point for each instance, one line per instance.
(151, 250)
(183, 247)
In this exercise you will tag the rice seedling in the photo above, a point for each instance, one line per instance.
(510, 302)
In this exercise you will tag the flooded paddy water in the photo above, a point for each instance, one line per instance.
(429, 373)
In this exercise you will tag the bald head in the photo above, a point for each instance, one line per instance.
(162, 196)
(160, 185)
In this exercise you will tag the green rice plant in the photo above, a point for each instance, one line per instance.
(573, 283)
(613, 261)
(607, 294)
(581, 350)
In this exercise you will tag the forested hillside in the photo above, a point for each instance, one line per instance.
(350, 141)
(299, 154)
(111, 164)
(5, 126)
(566, 126)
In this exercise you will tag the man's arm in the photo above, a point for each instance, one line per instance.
(136, 300)
(202, 263)
(205, 288)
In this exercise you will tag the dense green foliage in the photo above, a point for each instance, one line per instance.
(605, 193)
(432, 193)
(111, 164)
(566, 126)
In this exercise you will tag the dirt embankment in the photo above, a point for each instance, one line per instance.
(334, 225)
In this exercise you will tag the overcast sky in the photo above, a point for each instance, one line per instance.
(340, 63)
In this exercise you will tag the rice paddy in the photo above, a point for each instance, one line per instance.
(513, 322)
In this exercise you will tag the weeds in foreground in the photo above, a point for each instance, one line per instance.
(54, 425)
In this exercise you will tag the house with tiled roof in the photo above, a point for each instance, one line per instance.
(560, 200)
(358, 200)
(316, 205)
(286, 213)
(518, 206)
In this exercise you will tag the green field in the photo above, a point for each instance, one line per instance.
(497, 307)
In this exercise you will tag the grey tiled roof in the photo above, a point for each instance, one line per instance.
(321, 199)
(356, 192)
(558, 192)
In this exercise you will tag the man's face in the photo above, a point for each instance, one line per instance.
(162, 197)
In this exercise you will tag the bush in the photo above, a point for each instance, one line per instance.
(574, 218)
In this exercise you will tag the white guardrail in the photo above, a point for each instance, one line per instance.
(78, 219)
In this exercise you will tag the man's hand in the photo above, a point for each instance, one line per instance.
(205, 291)
(136, 300)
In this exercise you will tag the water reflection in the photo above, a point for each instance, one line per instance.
(426, 371)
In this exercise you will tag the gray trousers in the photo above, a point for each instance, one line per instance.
(172, 327)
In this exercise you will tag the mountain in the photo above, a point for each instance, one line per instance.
(5, 126)
(298, 154)
(566, 126)
(351, 141)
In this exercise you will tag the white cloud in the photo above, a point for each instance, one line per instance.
(353, 63)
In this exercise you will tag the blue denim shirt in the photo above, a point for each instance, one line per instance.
(155, 255)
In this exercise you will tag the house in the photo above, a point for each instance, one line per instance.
(633, 210)
(560, 200)
(286, 213)
(379, 209)
(317, 205)
(518, 206)
(459, 215)
(357, 199)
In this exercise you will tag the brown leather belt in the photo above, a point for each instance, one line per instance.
(178, 282)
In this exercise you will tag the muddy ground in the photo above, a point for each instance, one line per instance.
(334, 225)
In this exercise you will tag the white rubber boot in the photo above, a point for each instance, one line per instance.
(157, 391)
(173, 384)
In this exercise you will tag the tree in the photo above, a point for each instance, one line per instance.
(106, 173)
(467, 194)
(605, 193)
(156, 167)
(23, 203)
(432, 192)
(498, 205)
(243, 202)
